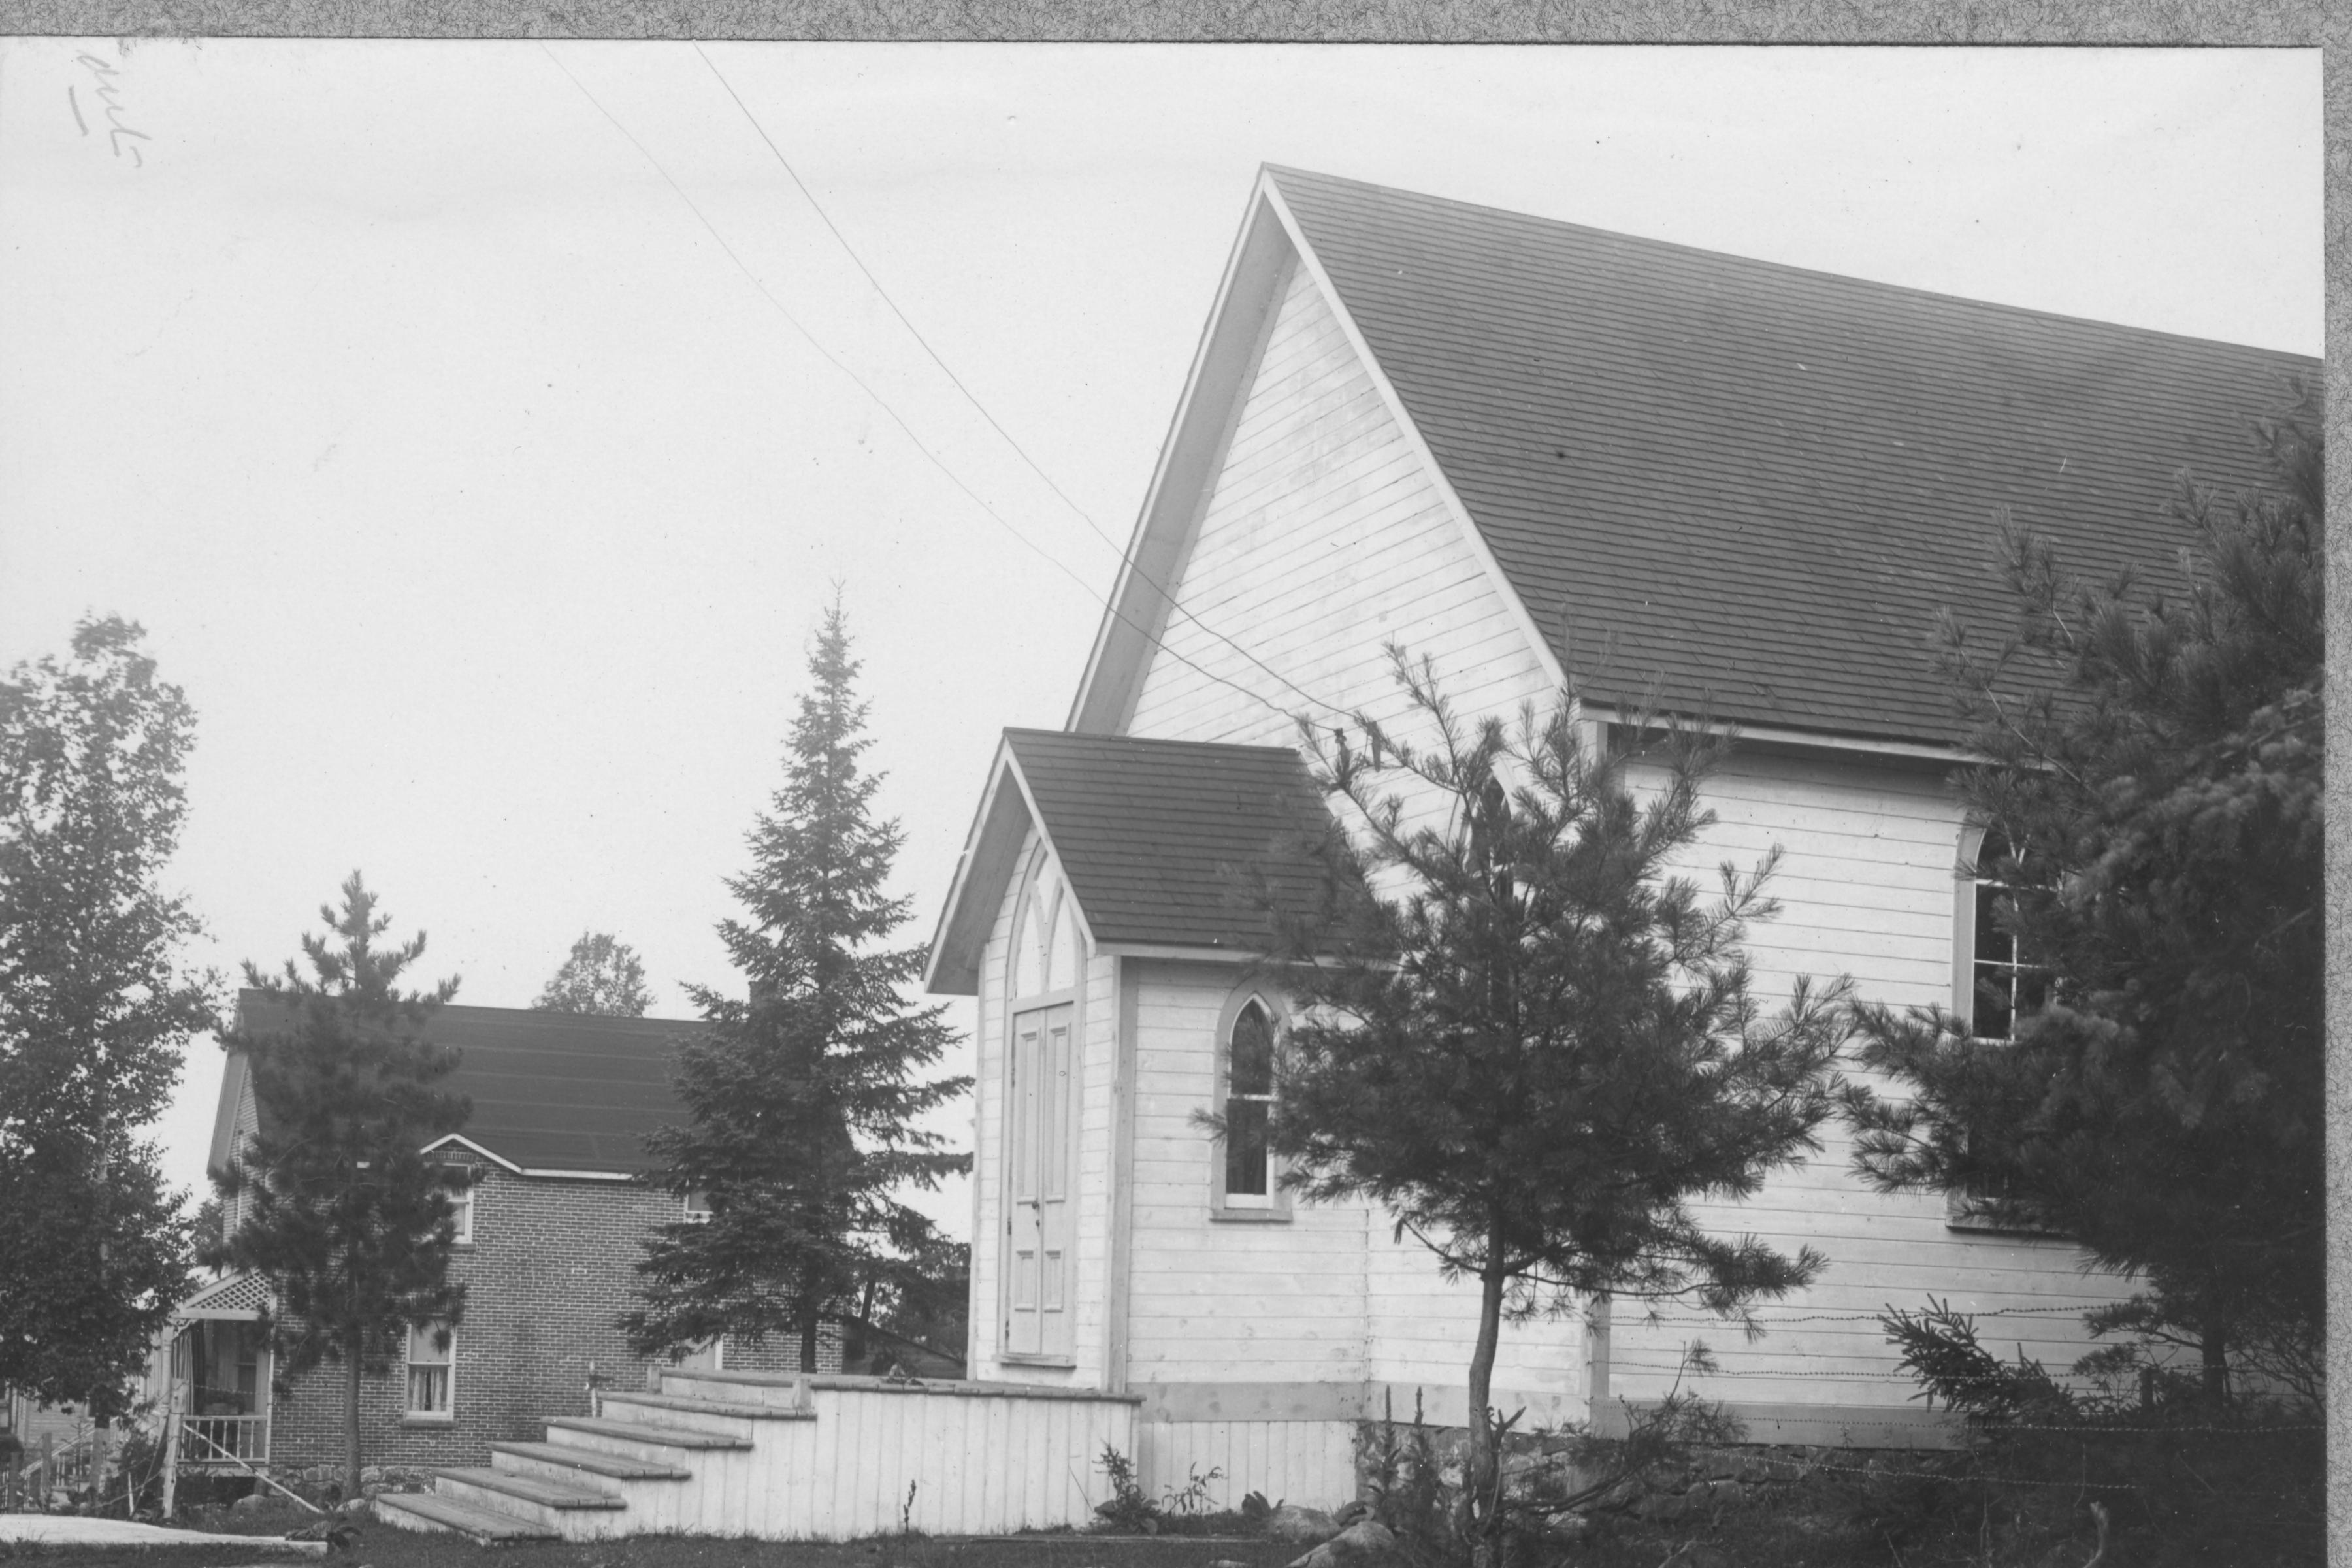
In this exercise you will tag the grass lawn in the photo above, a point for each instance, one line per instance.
(382, 1546)
(1807, 1526)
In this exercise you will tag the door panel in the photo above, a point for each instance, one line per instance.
(1037, 1319)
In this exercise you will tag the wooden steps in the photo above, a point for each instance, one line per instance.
(781, 1459)
(594, 1461)
(694, 1406)
(636, 1432)
(530, 1489)
(429, 1511)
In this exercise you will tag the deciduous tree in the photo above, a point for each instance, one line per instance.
(2152, 763)
(96, 1009)
(804, 1102)
(603, 976)
(1526, 1037)
(345, 1215)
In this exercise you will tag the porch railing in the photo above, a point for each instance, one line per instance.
(225, 1437)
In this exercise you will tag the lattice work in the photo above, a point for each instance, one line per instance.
(237, 1293)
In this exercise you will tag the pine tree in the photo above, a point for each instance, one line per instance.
(95, 1014)
(603, 976)
(2153, 765)
(1529, 1042)
(346, 1217)
(803, 1101)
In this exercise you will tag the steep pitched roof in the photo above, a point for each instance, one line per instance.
(1752, 484)
(552, 1092)
(1762, 482)
(1149, 834)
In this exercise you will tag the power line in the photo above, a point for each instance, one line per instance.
(883, 406)
(1125, 557)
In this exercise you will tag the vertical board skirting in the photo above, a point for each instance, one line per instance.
(1312, 1463)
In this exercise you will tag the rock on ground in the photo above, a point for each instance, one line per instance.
(1363, 1544)
(1301, 1526)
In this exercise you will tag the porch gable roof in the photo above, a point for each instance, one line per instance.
(1154, 838)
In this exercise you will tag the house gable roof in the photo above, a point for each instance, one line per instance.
(1150, 834)
(1751, 485)
(553, 1093)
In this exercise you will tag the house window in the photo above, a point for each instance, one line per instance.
(461, 1215)
(432, 1352)
(2002, 984)
(1994, 984)
(697, 1207)
(1247, 1183)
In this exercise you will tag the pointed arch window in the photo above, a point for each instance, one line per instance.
(1994, 983)
(1247, 1175)
(1047, 953)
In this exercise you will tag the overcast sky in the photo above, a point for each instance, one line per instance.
(440, 409)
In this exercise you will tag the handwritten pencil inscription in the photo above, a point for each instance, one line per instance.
(108, 95)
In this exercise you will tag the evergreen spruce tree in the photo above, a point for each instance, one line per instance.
(345, 1216)
(803, 1101)
(95, 1013)
(1530, 1043)
(2152, 766)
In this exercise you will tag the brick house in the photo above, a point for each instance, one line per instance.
(548, 1237)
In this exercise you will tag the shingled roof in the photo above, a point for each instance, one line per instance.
(552, 1092)
(1762, 482)
(1150, 835)
(1752, 484)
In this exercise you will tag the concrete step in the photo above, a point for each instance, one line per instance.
(430, 1512)
(537, 1489)
(528, 1459)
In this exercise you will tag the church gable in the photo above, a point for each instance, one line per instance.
(1324, 536)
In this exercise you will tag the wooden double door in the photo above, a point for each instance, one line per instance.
(1041, 1137)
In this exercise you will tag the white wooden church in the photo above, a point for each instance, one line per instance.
(1519, 447)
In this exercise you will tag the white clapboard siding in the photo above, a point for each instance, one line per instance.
(1323, 540)
(1866, 886)
(1311, 1463)
(1091, 1185)
(985, 1315)
(1223, 1302)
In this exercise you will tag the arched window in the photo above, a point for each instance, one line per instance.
(1247, 1182)
(1048, 953)
(1996, 984)
(1993, 986)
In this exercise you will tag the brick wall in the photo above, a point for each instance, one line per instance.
(550, 1270)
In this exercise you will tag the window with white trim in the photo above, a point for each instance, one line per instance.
(695, 1206)
(1994, 983)
(2003, 984)
(432, 1358)
(1247, 1174)
(461, 1215)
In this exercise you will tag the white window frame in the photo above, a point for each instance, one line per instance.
(695, 1216)
(1961, 1209)
(461, 1215)
(448, 1410)
(1272, 1206)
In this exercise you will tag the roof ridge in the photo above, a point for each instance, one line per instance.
(1091, 736)
(1703, 253)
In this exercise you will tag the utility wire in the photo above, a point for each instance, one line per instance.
(880, 403)
(1126, 558)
